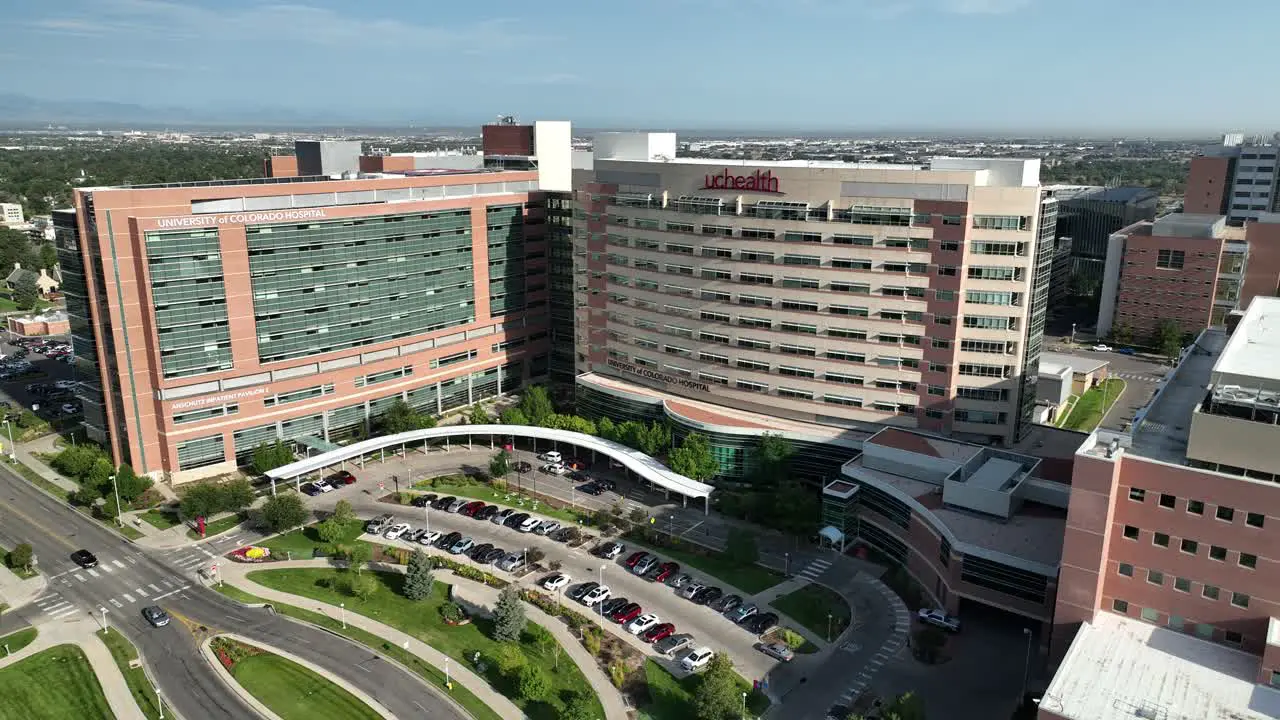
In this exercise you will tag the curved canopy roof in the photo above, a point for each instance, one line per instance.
(634, 460)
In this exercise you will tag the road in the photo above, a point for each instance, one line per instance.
(1142, 376)
(127, 579)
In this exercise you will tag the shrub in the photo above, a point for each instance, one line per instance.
(532, 683)
(534, 555)
(20, 556)
(793, 639)
(452, 612)
(362, 586)
(591, 641)
(508, 659)
(617, 673)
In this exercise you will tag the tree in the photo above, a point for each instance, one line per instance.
(532, 683)
(500, 465)
(201, 500)
(1167, 339)
(572, 423)
(536, 404)
(907, 706)
(577, 707)
(509, 659)
(655, 439)
(717, 696)
(358, 555)
(343, 512)
(606, 429)
(284, 511)
(75, 461)
(1122, 334)
(87, 495)
(771, 461)
(478, 415)
(693, 458)
(400, 417)
(269, 456)
(513, 416)
(363, 586)
(332, 530)
(48, 256)
(130, 484)
(794, 508)
(20, 556)
(236, 495)
(741, 547)
(508, 616)
(26, 294)
(99, 475)
(418, 579)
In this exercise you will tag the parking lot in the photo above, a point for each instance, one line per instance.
(22, 389)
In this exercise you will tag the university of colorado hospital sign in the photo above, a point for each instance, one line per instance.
(264, 216)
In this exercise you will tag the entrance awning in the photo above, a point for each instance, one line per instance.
(311, 442)
(832, 534)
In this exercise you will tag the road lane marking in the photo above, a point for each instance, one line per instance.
(115, 602)
(171, 592)
(80, 577)
(153, 586)
(131, 560)
(58, 607)
(141, 592)
(65, 613)
(167, 583)
(119, 564)
(105, 568)
(128, 597)
(92, 572)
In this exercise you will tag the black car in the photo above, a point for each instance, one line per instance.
(605, 484)
(447, 541)
(425, 500)
(577, 476)
(578, 592)
(613, 605)
(479, 551)
(728, 603)
(84, 559)
(486, 512)
(155, 615)
(309, 489)
(515, 520)
(591, 489)
(706, 596)
(522, 467)
(760, 624)
(443, 502)
(492, 556)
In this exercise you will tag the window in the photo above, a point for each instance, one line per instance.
(713, 337)
(1177, 622)
(797, 282)
(1217, 553)
(746, 364)
(755, 278)
(795, 371)
(842, 400)
(715, 252)
(1002, 222)
(791, 393)
(801, 260)
(1182, 584)
(1189, 546)
(711, 274)
(1130, 532)
(1195, 507)
(941, 344)
(1120, 606)
(1155, 577)
(1125, 569)
(1254, 519)
(752, 256)
(797, 305)
(1240, 600)
(1160, 539)
(1170, 259)
(751, 386)
(1137, 494)
(861, 240)
(1225, 513)
(1209, 592)
(1150, 614)
(717, 379)
(712, 357)
(785, 326)
(1231, 637)
(714, 316)
(1249, 561)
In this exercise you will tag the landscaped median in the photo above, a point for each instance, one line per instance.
(140, 686)
(286, 688)
(13, 642)
(748, 577)
(53, 684)
(820, 610)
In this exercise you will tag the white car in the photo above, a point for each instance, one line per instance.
(940, 619)
(1101, 348)
(642, 623)
(554, 469)
(69, 409)
(596, 596)
(696, 659)
(552, 457)
(556, 582)
(529, 524)
(323, 485)
(430, 538)
(396, 531)
(65, 384)
(547, 527)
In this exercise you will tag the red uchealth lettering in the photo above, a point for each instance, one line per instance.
(761, 182)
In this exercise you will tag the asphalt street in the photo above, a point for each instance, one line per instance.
(127, 579)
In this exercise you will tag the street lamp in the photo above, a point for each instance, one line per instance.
(426, 516)
(1026, 666)
(786, 572)
(343, 608)
(600, 604)
(744, 706)
(159, 703)
(104, 619)
(447, 684)
(829, 627)
(116, 488)
(13, 449)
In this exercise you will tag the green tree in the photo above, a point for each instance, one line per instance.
(693, 458)
(86, 496)
(794, 508)
(572, 423)
(536, 405)
(26, 294)
(500, 465)
(1122, 334)
(269, 456)
(907, 706)
(508, 616)
(533, 683)
(363, 586)
(741, 547)
(653, 439)
(75, 461)
(108, 509)
(606, 429)
(284, 511)
(332, 530)
(478, 415)
(771, 461)
(513, 416)
(130, 484)
(48, 256)
(201, 500)
(418, 579)
(578, 706)
(400, 417)
(358, 555)
(508, 659)
(20, 556)
(236, 495)
(99, 475)
(343, 512)
(718, 696)
(1167, 339)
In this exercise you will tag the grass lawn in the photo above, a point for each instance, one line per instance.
(160, 520)
(218, 526)
(1090, 408)
(430, 673)
(509, 497)
(21, 571)
(810, 606)
(53, 684)
(672, 699)
(18, 640)
(303, 542)
(748, 578)
(422, 620)
(123, 652)
(296, 693)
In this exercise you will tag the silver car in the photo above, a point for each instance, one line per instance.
(679, 581)
(511, 562)
(672, 644)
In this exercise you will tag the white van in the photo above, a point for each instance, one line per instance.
(552, 457)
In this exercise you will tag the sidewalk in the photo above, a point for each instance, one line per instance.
(16, 592)
(83, 632)
(43, 444)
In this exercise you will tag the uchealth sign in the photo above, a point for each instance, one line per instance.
(761, 182)
(245, 218)
(659, 376)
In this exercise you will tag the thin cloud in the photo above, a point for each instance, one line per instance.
(984, 7)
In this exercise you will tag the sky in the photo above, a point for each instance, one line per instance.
(1087, 66)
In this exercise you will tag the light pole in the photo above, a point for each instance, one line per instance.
(13, 449)
(343, 608)
(829, 627)
(426, 516)
(1073, 333)
(159, 703)
(786, 572)
(600, 604)
(104, 620)
(116, 488)
(1026, 666)
(744, 706)
(447, 683)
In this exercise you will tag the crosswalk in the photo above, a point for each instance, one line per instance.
(1141, 377)
(814, 569)
(56, 606)
(889, 649)
(110, 573)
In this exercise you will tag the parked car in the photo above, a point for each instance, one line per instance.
(690, 590)
(580, 591)
(696, 659)
(479, 551)
(626, 613)
(457, 505)
(429, 538)
(70, 408)
(761, 623)
(461, 546)
(376, 525)
(1127, 351)
(444, 502)
(500, 517)
(84, 558)
(546, 526)
(529, 524)
(342, 477)
(448, 540)
(425, 500)
(645, 564)
(727, 603)
(778, 651)
(672, 644)
(310, 489)
(413, 535)
(606, 484)
(665, 571)
(680, 580)
(939, 618)
(511, 562)
(552, 456)
(555, 581)
(657, 632)
(395, 531)
(1101, 348)
(610, 550)
(155, 615)
(600, 594)
(486, 512)
(522, 467)
(554, 469)
(323, 485)
(636, 557)
(613, 605)
(591, 489)
(708, 595)
(742, 613)
(493, 556)
(642, 623)
(515, 521)
(471, 508)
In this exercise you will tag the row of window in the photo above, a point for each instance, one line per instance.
(1197, 507)
(1192, 547)
(1184, 585)
(1204, 631)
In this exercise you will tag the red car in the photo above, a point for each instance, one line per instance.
(627, 613)
(666, 570)
(471, 508)
(657, 632)
(636, 557)
(342, 476)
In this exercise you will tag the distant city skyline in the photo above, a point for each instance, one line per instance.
(1087, 67)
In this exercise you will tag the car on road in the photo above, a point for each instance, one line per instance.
(610, 550)
(486, 512)
(761, 623)
(939, 618)
(457, 505)
(84, 558)
(395, 531)
(777, 651)
(691, 590)
(461, 546)
(425, 500)
(626, 613)
(479, 551)
(447, 541)
(500, 517)
(606, 484)
(342, 477)
(665, 571)
(591, 489)
(642, 623)
(493, 556)
(429, 538)
(741, 613)
(672, 644)
(600, 594)
(680, 580)
(555, 581)
(529, 524)
(657, 632)
(707, 595)
(1127, 351)
(696, 659)
(644, 565)
(511, 562)
(546, 527)
(1101, 348)
(551, 457)
(581, 591)
(65, 384)
(636, 557)
(727, 603)
(376, 525)
(70, 408)
(155, 615)
(443, 503)
(522, 467)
